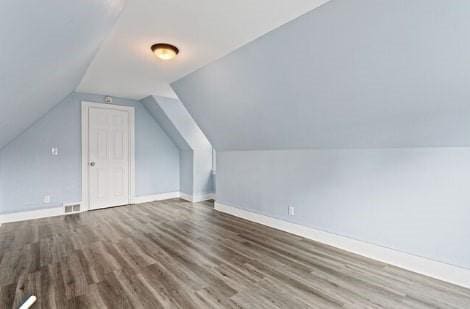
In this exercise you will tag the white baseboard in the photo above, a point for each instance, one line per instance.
(155, 197)
(170, 195)
(59, 211)
(186, 197)
(32, 214)
(197, 198)
(438, 270)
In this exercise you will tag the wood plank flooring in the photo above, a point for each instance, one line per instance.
(174, 254)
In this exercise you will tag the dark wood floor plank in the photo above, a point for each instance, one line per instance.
(175, 254)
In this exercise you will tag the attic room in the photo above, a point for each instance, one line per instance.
(235, 154)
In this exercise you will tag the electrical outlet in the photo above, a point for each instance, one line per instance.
(291, 211)
(47, 199)
(55, 151)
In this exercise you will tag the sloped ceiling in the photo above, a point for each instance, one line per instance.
(204, 30)
(352, 73)
(46, 47)
(165, 122)
(177, 123)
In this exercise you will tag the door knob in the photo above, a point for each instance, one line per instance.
(92, 164)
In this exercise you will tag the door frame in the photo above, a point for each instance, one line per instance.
(85, 151)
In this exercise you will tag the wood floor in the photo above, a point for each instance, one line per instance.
(174, 254)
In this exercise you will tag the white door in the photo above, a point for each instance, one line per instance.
(108, 157)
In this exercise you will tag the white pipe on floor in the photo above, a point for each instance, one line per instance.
(29, 302)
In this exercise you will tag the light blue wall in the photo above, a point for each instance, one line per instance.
(165, 122)
(367, 74)
(196, 176)
(30, 172)
(352, 73)
(183, 122)
(2, 178)
(45, 51)
(196, 151)
(202, 182)
(203, 177)
(413, 200)
(186, 153)
(186, 172)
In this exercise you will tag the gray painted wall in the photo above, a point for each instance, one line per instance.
(30, 172)
(412, 200)
(351, 73)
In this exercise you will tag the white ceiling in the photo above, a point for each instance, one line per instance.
(203, 30)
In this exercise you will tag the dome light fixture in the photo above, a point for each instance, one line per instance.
(164, 51)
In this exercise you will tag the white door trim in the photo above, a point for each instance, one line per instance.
(85, 108)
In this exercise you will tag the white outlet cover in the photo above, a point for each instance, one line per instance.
(291, 211)
(55, 151)
(47, 199)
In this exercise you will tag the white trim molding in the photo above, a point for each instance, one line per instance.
(197, 198)
(32, 214)
(155, 197)
(186, 197)
(84, 131)
(60, 210)
(453, 274)
(39, 213)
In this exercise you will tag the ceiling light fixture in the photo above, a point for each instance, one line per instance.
(165, 51)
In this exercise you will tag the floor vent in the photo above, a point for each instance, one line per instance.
(71, 208)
